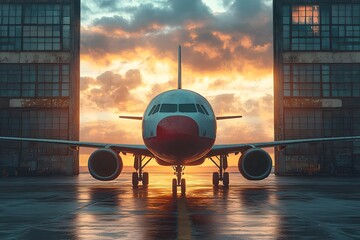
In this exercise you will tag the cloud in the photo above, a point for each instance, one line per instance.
(220, 50)
(109, 4)
(239, 39)
(111, 91)
(256, 124)
(146, 16)
(226, 104)
(158, 88)
(85, 83)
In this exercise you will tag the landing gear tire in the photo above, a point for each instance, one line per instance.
(145, 179)
(174, 186)
(216, 179)
(183, 186)
(135, 179)
(226, 179)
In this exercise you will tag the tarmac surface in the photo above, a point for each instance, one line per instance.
(83, 208)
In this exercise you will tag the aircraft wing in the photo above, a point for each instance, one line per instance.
(236, 148)
(124, 148)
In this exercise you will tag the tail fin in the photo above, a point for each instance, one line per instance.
(179, 67)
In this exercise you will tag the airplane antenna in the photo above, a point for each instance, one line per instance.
(179, 67)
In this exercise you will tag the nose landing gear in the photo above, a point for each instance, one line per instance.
(178, 181)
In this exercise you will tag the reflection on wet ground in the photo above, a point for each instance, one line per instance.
(83, 208)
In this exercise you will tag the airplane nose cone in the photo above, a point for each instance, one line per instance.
(177, 141)
(177, 138)
(177, 126)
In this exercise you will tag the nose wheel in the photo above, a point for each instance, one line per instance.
(178, 181)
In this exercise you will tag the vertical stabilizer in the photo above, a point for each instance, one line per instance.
(179, 68)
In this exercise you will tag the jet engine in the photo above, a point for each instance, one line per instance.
(255, 164)
(105, 164)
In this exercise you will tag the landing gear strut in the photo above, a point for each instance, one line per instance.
(221, 175)
(178, 181)
(139, 175)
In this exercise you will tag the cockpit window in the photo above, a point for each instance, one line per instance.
(199, 109)
(206, 112)
(152, 109)
(156, 109)
(168, 108)
(184, 108)
(187, 108)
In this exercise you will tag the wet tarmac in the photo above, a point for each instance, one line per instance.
(83, 208)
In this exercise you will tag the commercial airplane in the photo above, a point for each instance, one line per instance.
(179, 130)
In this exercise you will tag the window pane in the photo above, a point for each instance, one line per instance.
(168, 108)
(187, 108)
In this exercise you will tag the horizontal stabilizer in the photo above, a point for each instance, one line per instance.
(131, 117)
(227, 117)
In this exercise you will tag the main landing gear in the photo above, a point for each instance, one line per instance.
(178, 181)
(139, 175)
(221, 175)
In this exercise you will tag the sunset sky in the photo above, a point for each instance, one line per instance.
(129, 55)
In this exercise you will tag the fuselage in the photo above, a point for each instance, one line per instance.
(179, 127)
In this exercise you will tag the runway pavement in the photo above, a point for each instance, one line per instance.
(84, 208)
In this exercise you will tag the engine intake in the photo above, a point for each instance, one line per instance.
(255, 164)
(105, 164)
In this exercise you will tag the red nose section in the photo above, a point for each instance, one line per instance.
(177, 127)
(177, 140)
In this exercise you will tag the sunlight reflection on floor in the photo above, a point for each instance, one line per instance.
(84, 208)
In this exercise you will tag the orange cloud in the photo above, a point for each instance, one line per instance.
(111, 91)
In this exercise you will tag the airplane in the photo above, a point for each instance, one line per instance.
(179, 130)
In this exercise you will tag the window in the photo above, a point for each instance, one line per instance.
(152, 109)
(305, 28)
(35, 27)
(321, 80)
(187, 108)
(42, 123)
(10, 81)
(42, 14)
(206, 112)
(10, 27)
(34, 80)
(345, 30)
(156, 109)
(200, 110)
(321, 27)
(44, 29)
(41, 37)
(303, 123)
(65, 79)
(168, 108)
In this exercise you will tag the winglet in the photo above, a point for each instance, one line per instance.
(179, 67)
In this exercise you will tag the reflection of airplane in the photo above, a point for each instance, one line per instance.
(179, 129)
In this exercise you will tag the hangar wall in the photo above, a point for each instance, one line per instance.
(39, 85)
(317, 85)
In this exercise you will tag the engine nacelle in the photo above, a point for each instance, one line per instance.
(255, 164)
(105, 164)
